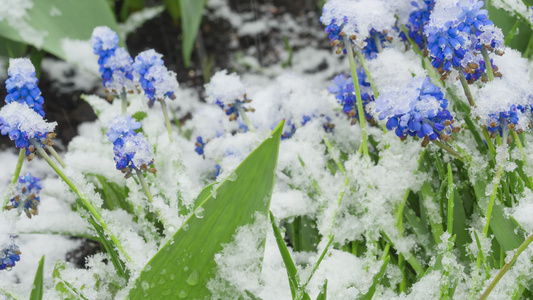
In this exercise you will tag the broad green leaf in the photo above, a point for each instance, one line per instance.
(10, 48)
(191, 16)
(377, 279)
(114, 196)
(507, 231)
(37, 289)
(188, 259)
(460, 228)
(59, 19)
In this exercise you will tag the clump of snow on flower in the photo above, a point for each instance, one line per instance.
(358, 16)
(513, 88)
(104, 38)
(224, 88)
(21, 71)
(163, 80)
(20, 116)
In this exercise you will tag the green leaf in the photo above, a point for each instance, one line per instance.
(59, 19)
(37, 289)
(191, 16)
(191, 252)
(114, 196)
(323, 295)
(292, 272)
(9, 48)
(173, 8)
(139, 116)
(377, 279)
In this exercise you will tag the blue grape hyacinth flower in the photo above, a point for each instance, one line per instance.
(26, 195)
(229, 93)
(132, 151)
(115, 62)
(344, 92)
(418, 18)
(200, 145)
(497, 122)
(23, 125)
(22, 86)
(156, 81)
(9, 256)
(419, 110)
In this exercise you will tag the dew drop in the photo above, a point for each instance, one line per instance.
(193, 278)
(145, 285)
(166, 292)
(183, 294)
(199, 212)
(185, 227)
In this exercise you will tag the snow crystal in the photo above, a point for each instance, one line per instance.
(25, 119)
(360, 16)
(80, 53)
(225, 88)
(15, 12)
(22, 71)
(55, 12)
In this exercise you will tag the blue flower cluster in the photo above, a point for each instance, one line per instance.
(344, 92)
(22, 124)
(336, 36)
(472, 21)
(22, 85)
(426, 116)
(371, 48)
(115, 62)
(154, 76)
(419, 18)
(132, 151)
(447, 47)
(507, 119)
(27, 193)
(200, 144)
(9, 256)
(476, 71)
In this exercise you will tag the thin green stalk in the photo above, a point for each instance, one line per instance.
(367, 72)
(448, 149)
(466, 88)
(314, 183)
(241, 111)
(450, 199)
(332, 153)
(399, 211)
(506, 267)
(124, 100)
(402, 287)
(148, 194)
(378, 43)
(56, 156)
(492, 150)
(524, 156)
(411, 41)
(488, 65)
(360, 110)
(491, 200)
(94, 213)
(512, 32)
(339, 201)
(167, 120)
(7, 293)
(14, 179)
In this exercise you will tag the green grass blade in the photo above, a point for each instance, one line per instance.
(37, 289)
(292, 272)
(191, 16)
(377, 279)
(324, 252)
(450, 200)
(192, 250)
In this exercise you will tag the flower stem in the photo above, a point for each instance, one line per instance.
(506, 267)
(124, 99)
(94, 213)
(524, 156)
(241, 111)
(466, 88)
(411, 41)
(448, 149)
(56, 156)
(378, 43)
(367, 72)
(167, 120)
(20, 161)
(491, 200)
(146, 190)
(488, 65)
(360, 110)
